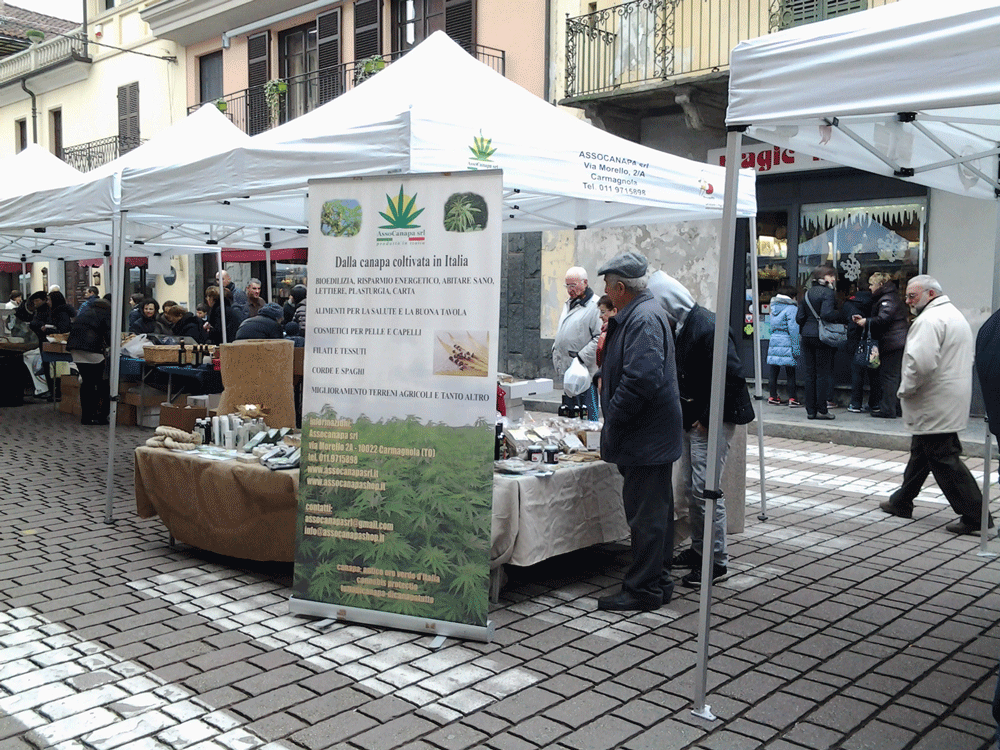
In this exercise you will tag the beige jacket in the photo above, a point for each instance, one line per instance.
(936, 385)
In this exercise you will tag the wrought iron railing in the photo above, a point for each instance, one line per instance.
(253, 110)
(44, 54)
(647, 41)
(87, 156)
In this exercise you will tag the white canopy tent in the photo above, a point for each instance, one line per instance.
(559, 172)
(910, 90)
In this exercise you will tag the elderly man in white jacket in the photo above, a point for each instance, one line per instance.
(579, 330)
(936, 392)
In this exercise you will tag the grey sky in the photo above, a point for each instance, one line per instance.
(71, 10)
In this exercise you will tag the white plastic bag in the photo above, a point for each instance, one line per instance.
(133, 347)
(577, 378)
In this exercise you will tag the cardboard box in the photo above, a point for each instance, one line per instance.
(148, 416)
(144, 396)
(126, 415)
(181, 414)
(69, 387)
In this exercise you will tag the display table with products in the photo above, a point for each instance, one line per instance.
(229, 507)
(245, 510)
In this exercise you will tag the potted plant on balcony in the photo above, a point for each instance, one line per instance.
(367, 68)
(274, 90)
(34, 36)
(221, 105)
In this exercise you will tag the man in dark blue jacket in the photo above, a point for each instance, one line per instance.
(642, 429)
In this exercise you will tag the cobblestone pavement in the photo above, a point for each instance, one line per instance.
(842, 628)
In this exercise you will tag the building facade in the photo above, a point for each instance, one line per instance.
(656, 72)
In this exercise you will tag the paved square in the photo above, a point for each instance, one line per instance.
(841, 628)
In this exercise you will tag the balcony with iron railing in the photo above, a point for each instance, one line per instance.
(263, 107)
(93, 154)
(643, 43)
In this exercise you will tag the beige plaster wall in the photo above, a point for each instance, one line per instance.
(688, 251)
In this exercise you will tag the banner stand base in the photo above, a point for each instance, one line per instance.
(427, 626)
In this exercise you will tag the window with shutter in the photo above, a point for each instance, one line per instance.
(460, 22)
(415, 20)
(128, 117)
(367, 29)
(799, 12)
(258, 74)
(330, 82)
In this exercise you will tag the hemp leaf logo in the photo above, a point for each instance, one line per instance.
(401, 213)
(482, 148)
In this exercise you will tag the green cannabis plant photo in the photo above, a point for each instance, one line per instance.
(465, 212)
(340, 218)
(437, 501)
(401, 212)
(482, 147)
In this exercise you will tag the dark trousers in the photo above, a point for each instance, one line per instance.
(890, 372)
(859, 374)
(940, 455)
(95, 404)
(818, 360)
(790, 383)
(648, 495)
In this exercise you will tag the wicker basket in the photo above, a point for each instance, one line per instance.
(165, 355)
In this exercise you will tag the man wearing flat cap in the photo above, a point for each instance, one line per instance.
(642, 432)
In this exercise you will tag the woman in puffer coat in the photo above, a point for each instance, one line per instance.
(184, 323)
(785, 345)
(889, 324)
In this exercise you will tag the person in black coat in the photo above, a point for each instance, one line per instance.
(642, 429)
(214, 324)
(266, 324)
(184, 323)
(860, 304)
(817, 356)
(890, 324)
(89, 339)
(147, 322)
(694, 343)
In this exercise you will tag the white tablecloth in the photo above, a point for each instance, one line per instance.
(535, 518)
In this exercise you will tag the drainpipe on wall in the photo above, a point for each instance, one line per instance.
(548, 49)
(34, 111)
(86, 36)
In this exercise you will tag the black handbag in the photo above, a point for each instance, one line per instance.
(866, 355)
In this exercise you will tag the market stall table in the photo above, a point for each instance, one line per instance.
(245, 510)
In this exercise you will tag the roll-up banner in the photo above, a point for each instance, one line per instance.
(399, 402)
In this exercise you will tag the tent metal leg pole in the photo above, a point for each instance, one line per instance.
(757, 364)
(270, 283)
(985, 513)
(117, 269)
(984, 521)
(222, 301)
(716, 435)
(24, 281)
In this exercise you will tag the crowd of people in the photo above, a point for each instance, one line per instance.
(242, 314)
(246, 313)
(650, 348)
(874, 311)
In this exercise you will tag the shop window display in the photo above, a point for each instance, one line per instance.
(860, 238)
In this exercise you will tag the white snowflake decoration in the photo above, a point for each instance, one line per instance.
(892, 249)
(851, 267)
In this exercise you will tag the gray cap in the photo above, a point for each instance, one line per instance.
(628, 265)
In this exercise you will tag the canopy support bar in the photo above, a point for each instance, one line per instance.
(956, 158)
(863, 143)
(757, 365)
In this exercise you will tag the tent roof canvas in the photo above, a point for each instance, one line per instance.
(835, 90)
(438, 109)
